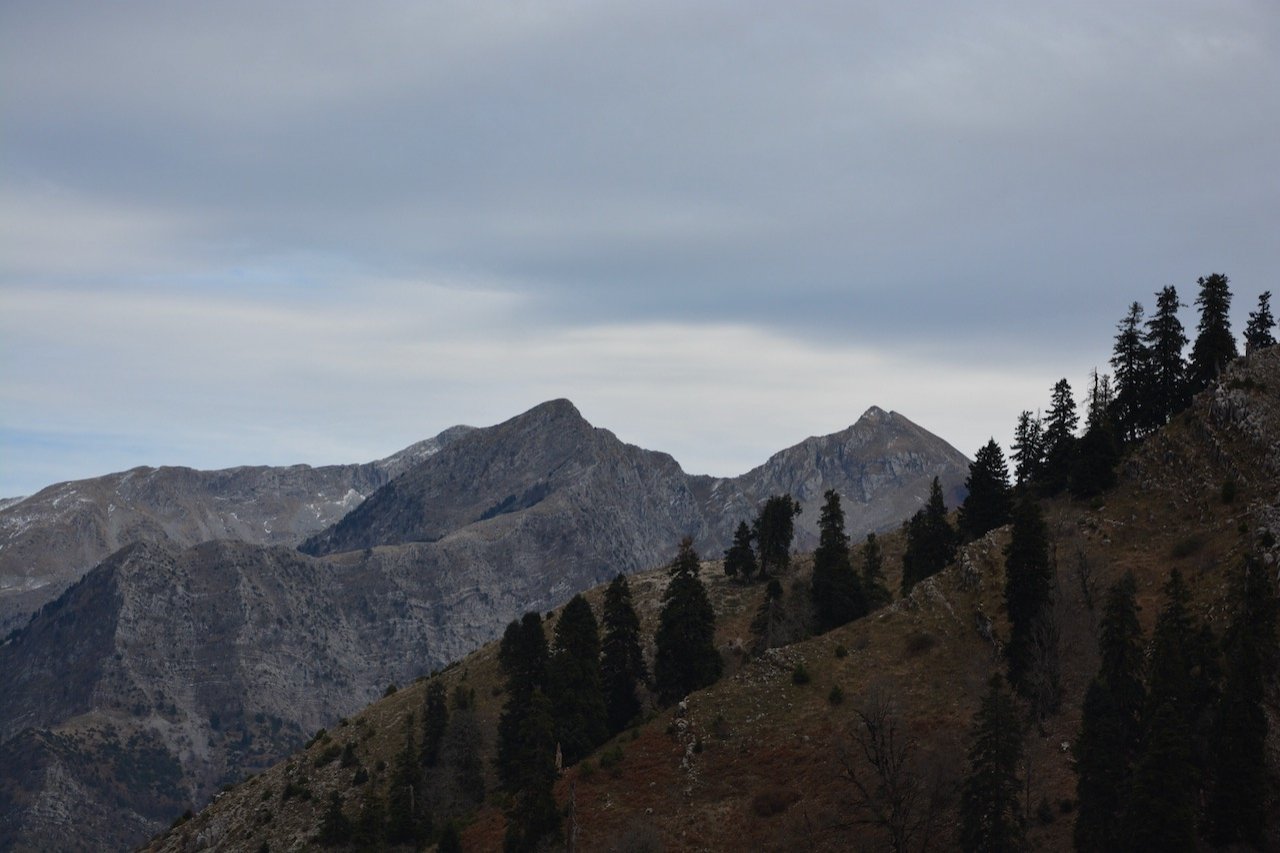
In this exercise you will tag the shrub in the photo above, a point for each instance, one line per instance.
(1188, 546)
(1229, 490)
(800, 675)
(920, 642)
(391, 688)
(773, 801)
(586, 769)
(836, 696)
(841, 651)
(610, 759)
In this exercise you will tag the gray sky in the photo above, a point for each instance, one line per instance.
(248, 233)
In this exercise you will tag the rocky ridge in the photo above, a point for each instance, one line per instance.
(212, 660)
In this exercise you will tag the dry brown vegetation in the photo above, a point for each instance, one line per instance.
(758, 762)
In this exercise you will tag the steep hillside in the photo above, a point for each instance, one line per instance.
(47, 541)
(760, 762)
(214, 658)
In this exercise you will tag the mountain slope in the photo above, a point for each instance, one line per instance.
(189, 651)
(759, 762)
(50, 539)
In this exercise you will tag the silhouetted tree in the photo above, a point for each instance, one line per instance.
(407, 821)
(532, 815)
(1257, 334)
(1131, 361)
(435, 721)
(740, 559)
(1165, 340)
(1028, 597)
(686, 658)
(931, 541)
(335, 828)
(1161, 811)
(1110, 725)
(622, 668)
(523, 656)
(1028, 449)
(877, 592)
(1098, 451)
(837, 592)
(990, 500)
(1059, 439)
(1237, 812)
(573, 674)
(990, 811)
(1215, 345)
(773, 530)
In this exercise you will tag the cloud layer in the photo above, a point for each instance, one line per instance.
(317, 232)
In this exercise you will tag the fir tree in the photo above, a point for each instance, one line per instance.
(873, 574)
(1167, 381)
(523, 657)
(773, 530)
(1028, 597)
(622, 668)
(575, 683)
(990, 812)
(1028, 449)
(435, 721)
(1257, 334)
(370, 827)
(767, 624)
(532, 815)
(740, 559)
(1215, 345)
(837, 592)
(406, 820)
(1131, 361)
(1237, 812)
(1098, 452)
(1059, 439)
(1161, 812)
(686, 658)
(1110, 726)
(990, 499)
(931, 541)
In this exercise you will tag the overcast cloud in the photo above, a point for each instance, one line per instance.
(317, 232)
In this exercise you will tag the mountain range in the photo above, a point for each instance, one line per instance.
(203, 645)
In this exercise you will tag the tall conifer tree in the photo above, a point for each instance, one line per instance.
(878, 594)
(1215, 345)
(1028, 597)
(1059, 439)
(1110, 726)
(773, 531)
(1257, 334)
(532, 815)
(838, 596)
(573, 673)
(622, 667)
(990, 500)
(990, 805)
(1028, 449)
(740, 558)
(1130, 359)
(1165, 340)
(686, 658)
(523, 656)
(931, 541)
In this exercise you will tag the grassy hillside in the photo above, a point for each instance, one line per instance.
(760, 762)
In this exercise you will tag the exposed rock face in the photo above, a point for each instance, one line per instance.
(47, 541)
(214, 659)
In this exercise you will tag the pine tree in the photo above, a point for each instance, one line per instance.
(1110, 726)
(1059, 439)
(837, 592)
(740, 559)
(1162, 804)
(435, 721)
(1215, 345)
(1131, 361)
(1028, 449)
(990, 500)
(406, 820)
(773, 530)
(686, 658)
(990, 812)
(1237, 812)
(873, 574)
(532, 815)
(622, 667)
(767, 624)
(1257, 334)
(931, 541)
(523, 656)
(1098, 452)
(1028, 597)
(574, 681)
(1167, 382)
